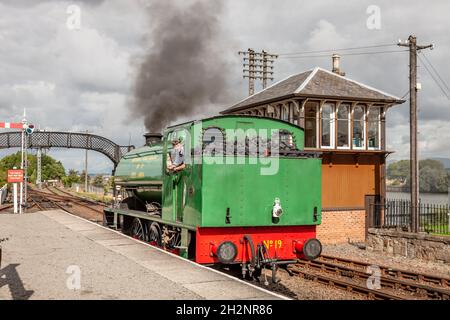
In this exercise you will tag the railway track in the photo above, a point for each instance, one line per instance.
(50, 199)
(354, 276)
(77, 206)
(71, 199)
(6, 207)
(400, 274)
(58, 191)
(44, 203)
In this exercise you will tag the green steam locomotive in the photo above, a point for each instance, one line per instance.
(245, 194)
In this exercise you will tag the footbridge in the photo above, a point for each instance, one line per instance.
(55, 139)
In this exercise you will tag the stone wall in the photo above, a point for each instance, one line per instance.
(342, 226)
(416, 246)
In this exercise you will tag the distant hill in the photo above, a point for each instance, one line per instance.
(445, 161)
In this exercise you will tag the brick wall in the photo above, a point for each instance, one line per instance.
(342, 226)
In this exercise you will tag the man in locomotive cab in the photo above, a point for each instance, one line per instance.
(176, 156)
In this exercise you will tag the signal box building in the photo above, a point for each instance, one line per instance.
(345, 121)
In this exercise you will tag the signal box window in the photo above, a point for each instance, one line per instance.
(311, 125)
(343, 126)
(374, 128)
(358, 127)
(285, 113)
(328, 125)
(295, 115)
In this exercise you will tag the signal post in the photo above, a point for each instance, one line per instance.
(16, 176)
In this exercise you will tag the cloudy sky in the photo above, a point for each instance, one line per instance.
(81, 79)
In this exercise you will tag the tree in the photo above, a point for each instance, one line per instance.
(51, 169)
(398, 170)
(71, 178)
(98, 181)
(433, 176)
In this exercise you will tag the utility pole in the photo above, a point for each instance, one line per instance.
(258, 65)
(268, 60)
(249, 61)
(414, 163)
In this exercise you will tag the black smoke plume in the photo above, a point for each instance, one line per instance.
(183, 72)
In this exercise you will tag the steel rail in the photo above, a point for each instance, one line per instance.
(385, 282)
(97, 202)
(73, 199)
(443, 282)
(35, 203)
(8, 206)
(347, 286)
(71, 196)
(53, 205)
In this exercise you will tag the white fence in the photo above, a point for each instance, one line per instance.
(91, 189)
(3, 193)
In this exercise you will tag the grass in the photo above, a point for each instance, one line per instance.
(445, 233)
(95, 196)
(437, 229)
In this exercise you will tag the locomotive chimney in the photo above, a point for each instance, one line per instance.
(337, 64)
(152, 138)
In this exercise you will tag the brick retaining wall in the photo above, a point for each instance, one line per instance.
(342, 227)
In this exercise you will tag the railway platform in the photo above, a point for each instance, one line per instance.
(55, 255)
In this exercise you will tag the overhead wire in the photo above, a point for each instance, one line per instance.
(312, 54)
(433, 77)
(404, 96)
(340, 49)
(344, 54)
(435, 70)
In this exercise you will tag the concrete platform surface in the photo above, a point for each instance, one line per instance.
(54, 255)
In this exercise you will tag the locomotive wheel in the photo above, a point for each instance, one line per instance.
(175, 241)
(138, 230)
(154, 234)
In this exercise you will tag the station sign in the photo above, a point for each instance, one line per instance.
(15, 175)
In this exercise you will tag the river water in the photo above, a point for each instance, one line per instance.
(426, 198)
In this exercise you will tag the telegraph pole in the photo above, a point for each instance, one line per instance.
(258, 65)
(268, 60)
(411, 43)
(249, 61)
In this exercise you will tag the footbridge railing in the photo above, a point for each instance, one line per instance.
(54, 139)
